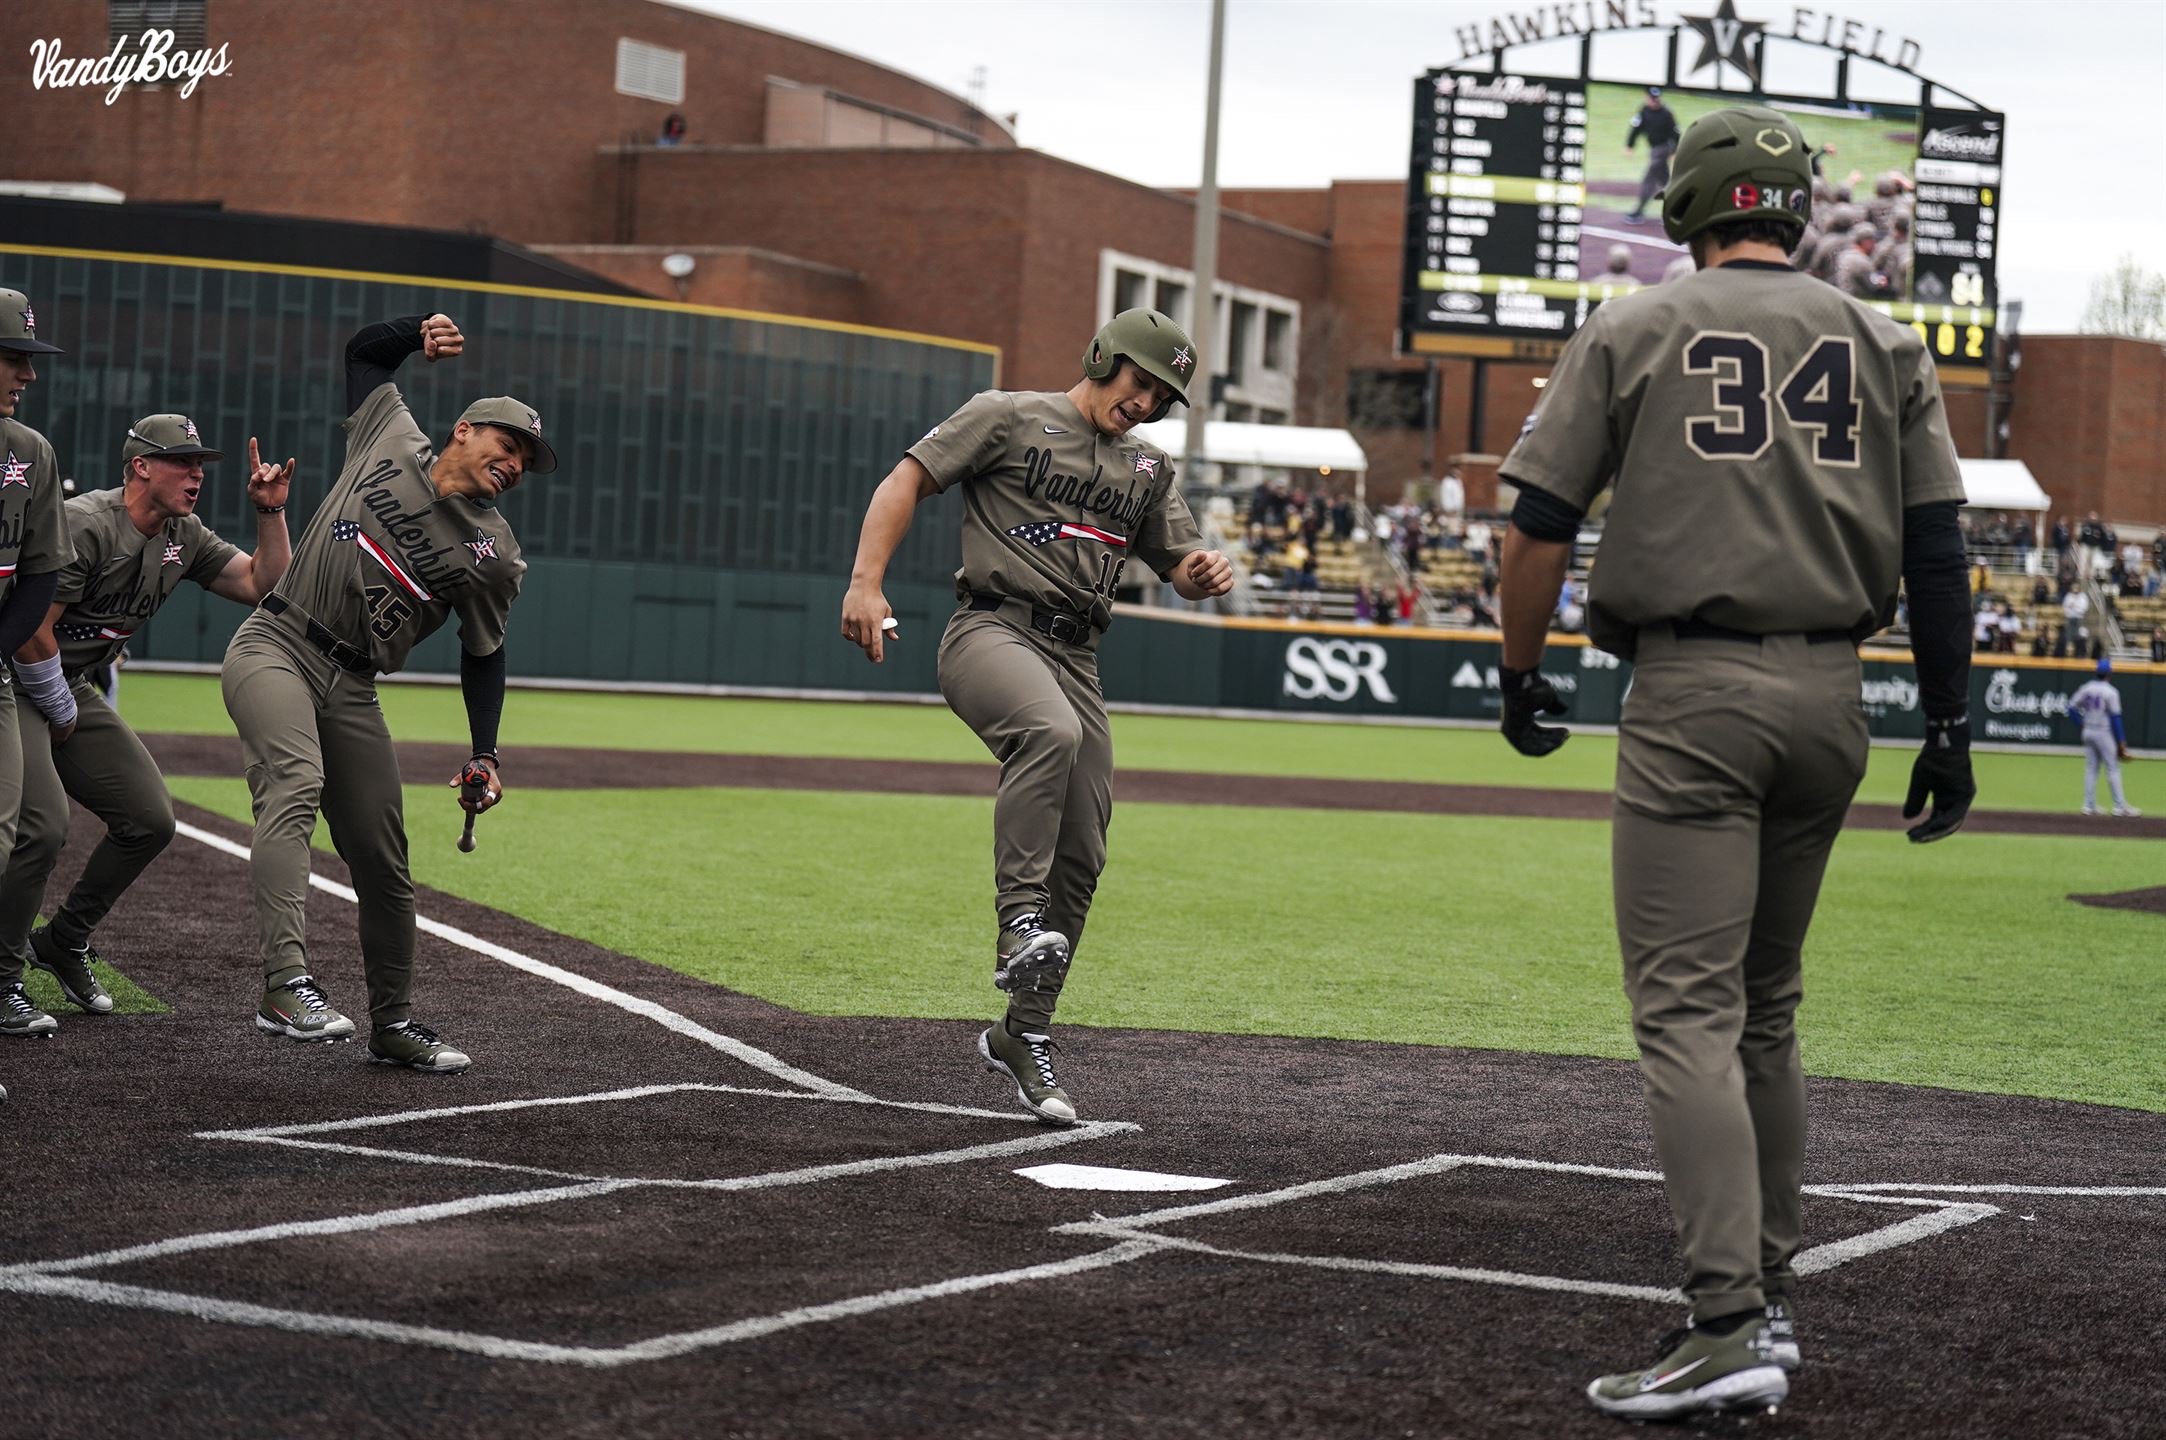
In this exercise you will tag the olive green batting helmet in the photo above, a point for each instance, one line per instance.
(1153, 343)
(1745, 162)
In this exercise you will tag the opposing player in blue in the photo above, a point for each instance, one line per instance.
(2096, 706)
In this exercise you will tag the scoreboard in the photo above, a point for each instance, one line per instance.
(1518, 225)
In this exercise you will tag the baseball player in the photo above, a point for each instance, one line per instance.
(133, 546)
(33, 552)
(1056, 497)
(407, 537)
(1655, 123)
(2096, 706)
(1779, 457)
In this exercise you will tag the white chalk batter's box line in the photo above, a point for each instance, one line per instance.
(1134, 1237)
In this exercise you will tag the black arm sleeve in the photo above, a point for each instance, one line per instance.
(1938, 579)
(24, 609)
(481, 682)
(375, 352)
(1542, 516)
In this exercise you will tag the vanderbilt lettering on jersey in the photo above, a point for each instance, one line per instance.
(1736, 408)
(120, 576)
(33, 538)
(1051, 508)
(386, 560)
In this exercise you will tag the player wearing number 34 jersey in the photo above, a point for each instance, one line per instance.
(1779, 459)
(1058, 497)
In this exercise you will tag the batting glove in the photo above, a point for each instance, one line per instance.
(1526, 695)
(1942, 771)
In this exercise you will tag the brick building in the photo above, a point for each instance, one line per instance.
(813, 182)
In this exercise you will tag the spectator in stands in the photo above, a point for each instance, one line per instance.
(1342, 519)
(1409, 595)
(2041, 643)
(2063, 537)
(1451, 495)
(1985, 626)
(1364, 604)
(1485, 604)
(1410, 546)
(2158, 645)
(2158, 549)
(2076, 618)
(2094, 532)
(2010, 629)
(672, 131)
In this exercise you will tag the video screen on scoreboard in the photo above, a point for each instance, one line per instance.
(1532, 201)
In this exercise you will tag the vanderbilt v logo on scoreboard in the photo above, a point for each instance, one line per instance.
(1531, 198)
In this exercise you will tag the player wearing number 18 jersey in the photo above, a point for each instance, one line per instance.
(1057, 496)
(1780, 458)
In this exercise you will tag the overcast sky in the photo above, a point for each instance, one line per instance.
(1317, 91)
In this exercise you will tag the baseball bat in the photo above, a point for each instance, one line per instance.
(473, 789)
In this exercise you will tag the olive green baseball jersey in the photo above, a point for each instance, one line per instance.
(1052, 509)
(1765, 434)
(33, 537)
(385, 560)
(120, 576)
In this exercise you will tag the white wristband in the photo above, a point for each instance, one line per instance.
(48, 689)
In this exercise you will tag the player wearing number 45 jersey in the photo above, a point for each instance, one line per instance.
(406, 539)
(1780, 458)
(1057, 495)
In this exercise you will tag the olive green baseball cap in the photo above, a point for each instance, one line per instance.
(168, 437)
(19, 326)
(518, 417)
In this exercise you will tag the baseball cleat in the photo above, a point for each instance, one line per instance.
(1699, 1373)
(1027, 1059)
(1028, 954)
(72, 969)
(2127, 812)
(299, 1010)
(19, 1017)
(417, 1047)
(2090, 809)
(1782, 1334)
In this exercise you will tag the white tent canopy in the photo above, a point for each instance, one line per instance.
(2001, 485)
(1235, 442)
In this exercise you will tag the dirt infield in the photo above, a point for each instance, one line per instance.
(779, 1225)
(635, 769)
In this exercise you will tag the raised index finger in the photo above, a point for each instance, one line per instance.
(254, 460)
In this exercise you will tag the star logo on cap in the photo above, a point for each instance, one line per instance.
(483, 545)
(533, 422)
(188, 428)
(30, 323)
(1182, 359)
(15, 472)
(1725, 40)
(172, 555)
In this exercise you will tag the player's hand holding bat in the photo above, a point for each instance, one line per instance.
(1941, 773)
(268, 484)
(440, 339)
(479, 788)
(1526, 695)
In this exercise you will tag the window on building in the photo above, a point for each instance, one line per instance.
(1172, 300)
(1384, 399)
(1278, 334)
(1238, 339)
(128, 19)
(1235, 410)
(1270, 417)
(650, 72)
(1130, 291)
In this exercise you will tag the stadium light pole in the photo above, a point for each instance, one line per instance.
(1203, 326)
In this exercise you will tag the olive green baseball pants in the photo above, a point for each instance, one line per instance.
(315, 740)
(1736, 762)
(104, 766)
(1035, 703)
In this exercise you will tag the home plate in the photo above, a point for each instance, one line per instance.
(1101, 1177)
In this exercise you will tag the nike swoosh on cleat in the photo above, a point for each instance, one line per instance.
(1652, 1381)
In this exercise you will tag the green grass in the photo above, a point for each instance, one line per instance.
(1957, 965)
(189, 704)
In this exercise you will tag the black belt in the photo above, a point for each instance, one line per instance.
(1709, 630)
(345, 656)
(1068, 629)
